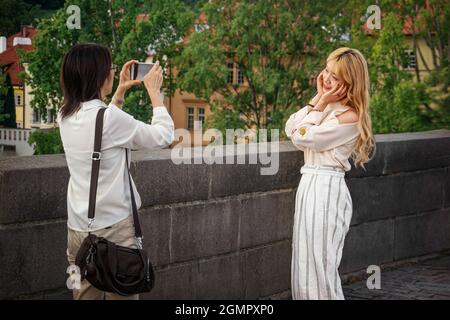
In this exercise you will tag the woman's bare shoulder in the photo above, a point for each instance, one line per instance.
(349, 116)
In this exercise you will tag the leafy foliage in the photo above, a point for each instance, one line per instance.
(7, 103)
(46, 141)
(273, 45)
(278, 46)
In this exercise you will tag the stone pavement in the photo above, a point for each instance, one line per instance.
(427, 279)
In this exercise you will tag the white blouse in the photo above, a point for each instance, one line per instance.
(324, 141)
(120, 130)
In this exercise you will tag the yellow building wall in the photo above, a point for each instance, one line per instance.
(28, 110)
(427, 60)
(18, 92)
(178, 108)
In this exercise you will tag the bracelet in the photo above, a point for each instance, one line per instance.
(313, 108)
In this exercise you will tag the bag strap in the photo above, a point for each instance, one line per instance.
(96, 156)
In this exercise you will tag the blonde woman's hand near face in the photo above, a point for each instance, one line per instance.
(337, 93)
(153, 81)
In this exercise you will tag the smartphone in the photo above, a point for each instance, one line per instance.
(139, 70)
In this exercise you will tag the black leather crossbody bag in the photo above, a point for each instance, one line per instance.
(106, 265)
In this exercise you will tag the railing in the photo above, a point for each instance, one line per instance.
(17, 138)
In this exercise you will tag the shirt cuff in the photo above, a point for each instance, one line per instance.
(115, 106)
(159, 110)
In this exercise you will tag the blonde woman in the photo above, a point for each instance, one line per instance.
(333, 127)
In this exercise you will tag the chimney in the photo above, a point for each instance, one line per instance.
(2, 44)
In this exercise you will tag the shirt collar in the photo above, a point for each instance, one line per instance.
(86, 105)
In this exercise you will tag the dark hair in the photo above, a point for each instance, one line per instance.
(85, 69)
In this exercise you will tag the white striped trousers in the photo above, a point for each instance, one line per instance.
(323, 210)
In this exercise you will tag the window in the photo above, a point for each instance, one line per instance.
(50, 116)
(201, 115)
(240, 75)
(195, 117)
(36, 116)
(230, 75)
(410, 60)
(190, 118)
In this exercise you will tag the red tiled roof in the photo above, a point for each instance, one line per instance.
(26, 32)
(11, 59)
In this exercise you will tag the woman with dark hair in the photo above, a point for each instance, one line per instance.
(87, 76)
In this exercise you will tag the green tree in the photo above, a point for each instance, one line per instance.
(47, 4)
(277, 45)
(162, 28)
(46, 141)
(429, 24)
(3, 91)
(387, 55)
(53, 41)
(434, 27)
(7, 103)
(14, 14)
(400, 109)
(397, 102)
(127, 37)
(112, 23)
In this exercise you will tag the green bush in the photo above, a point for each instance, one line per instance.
(401, 108)
(46, 141)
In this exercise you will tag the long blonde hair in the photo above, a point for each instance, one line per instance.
(351, 67)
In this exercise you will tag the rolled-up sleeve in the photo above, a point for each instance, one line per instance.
(127, 132)
(303, 119)
(312, 134)
(294, 119)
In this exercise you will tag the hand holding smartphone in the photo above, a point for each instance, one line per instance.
(153, 81)
(139, 70)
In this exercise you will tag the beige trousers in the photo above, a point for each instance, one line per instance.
(122, 233)
(323, 212)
